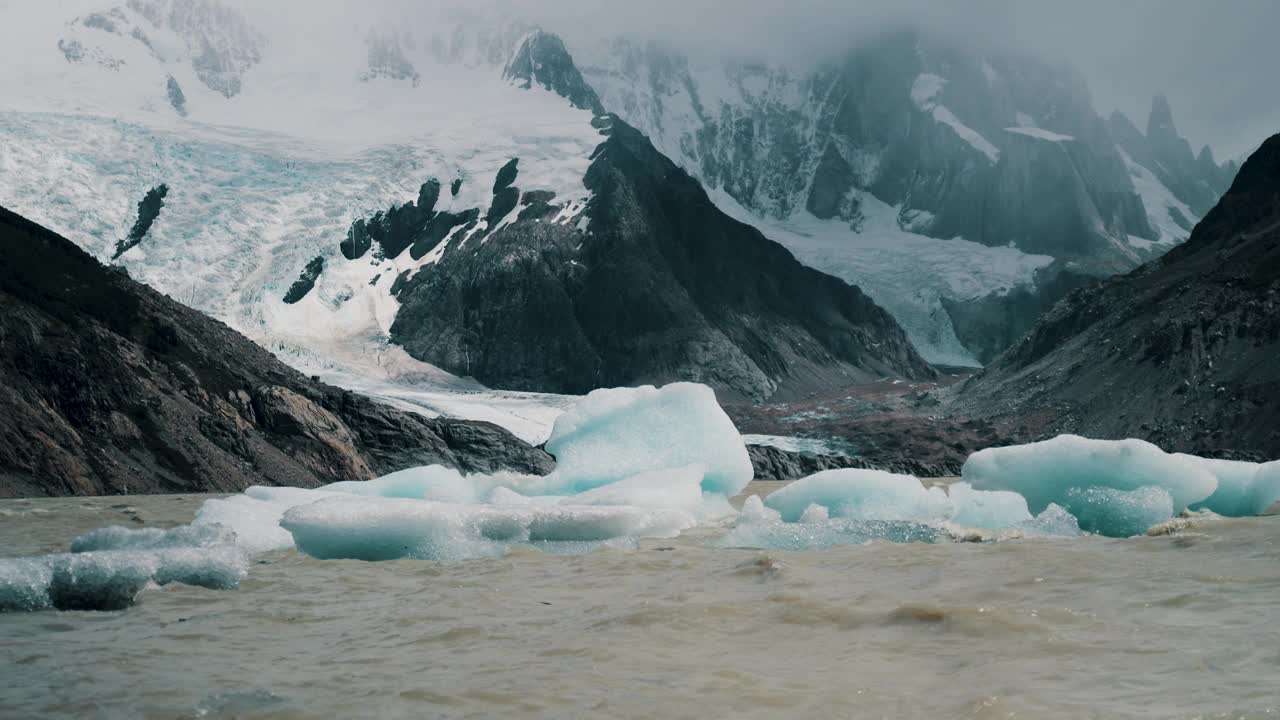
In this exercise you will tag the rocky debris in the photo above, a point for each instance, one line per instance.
(772, 463)
(663, 286)
(306, 280)
(543, 59)
(148, 210)
(1181, 351)
(108, 387)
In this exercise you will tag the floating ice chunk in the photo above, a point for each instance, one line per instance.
(254, 516)
(1118, 513)
(112, 579)
(1266, 487)
(861, 495)
(993, 509)
(759, 526)
(121, 538)
(1243, 489)
(432, 482)
(679, 489)
(615, 433)
(375, 528)
(1043, 472)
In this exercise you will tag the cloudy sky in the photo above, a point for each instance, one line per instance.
(1218, 62)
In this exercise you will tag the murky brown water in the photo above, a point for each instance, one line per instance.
(1181, 626)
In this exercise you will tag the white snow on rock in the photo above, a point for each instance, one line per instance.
(1162, 208)
(265, 180)
(924, 94)
(905, 273)
(1040, 134)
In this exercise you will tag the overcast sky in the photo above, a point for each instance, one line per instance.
(1218, 62)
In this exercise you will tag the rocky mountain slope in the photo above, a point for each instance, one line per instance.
(107, 386)
(651, 284)
(1004, 152)
(1181, 351)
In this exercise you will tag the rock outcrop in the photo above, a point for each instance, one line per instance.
(543, 60)
(109, 387)
(1182, 351)
(652, 284)
(148, 210)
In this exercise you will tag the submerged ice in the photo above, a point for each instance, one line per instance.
(107, 568)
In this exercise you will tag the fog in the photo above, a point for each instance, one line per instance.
(1216, 62)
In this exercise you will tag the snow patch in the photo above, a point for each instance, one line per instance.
(1040, 134)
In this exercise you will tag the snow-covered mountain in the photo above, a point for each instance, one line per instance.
(293, 184)
(300, 189)
(965, 191)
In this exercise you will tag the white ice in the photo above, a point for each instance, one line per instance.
(615, 433)
(632, 463)
(108, 568)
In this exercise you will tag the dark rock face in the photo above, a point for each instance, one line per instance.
(403, 226)
(833, 180)
(1182, 351)
(997, 149)
(110, 387)
(306, 280)
(661, 286)
(990, 324)
(1197, 181)
(543, 59)
(176, 98)
(148, 211)
(771, 463)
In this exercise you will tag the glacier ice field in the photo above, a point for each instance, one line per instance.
(638, 463)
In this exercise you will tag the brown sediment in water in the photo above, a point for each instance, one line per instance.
(696, 630)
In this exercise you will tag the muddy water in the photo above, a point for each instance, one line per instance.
(1181, 626)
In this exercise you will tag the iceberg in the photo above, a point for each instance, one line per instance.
(1244, 488)
(1044, 472)
(111, 579)
(615, 433)
(1119, 513)
(991, 509)
(861, 495)
(374, 528)
(632, 463)
(763, 527)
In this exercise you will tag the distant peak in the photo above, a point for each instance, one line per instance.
(542, 59)
(1160, 121)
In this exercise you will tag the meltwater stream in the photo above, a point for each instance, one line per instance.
(1179, 626)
